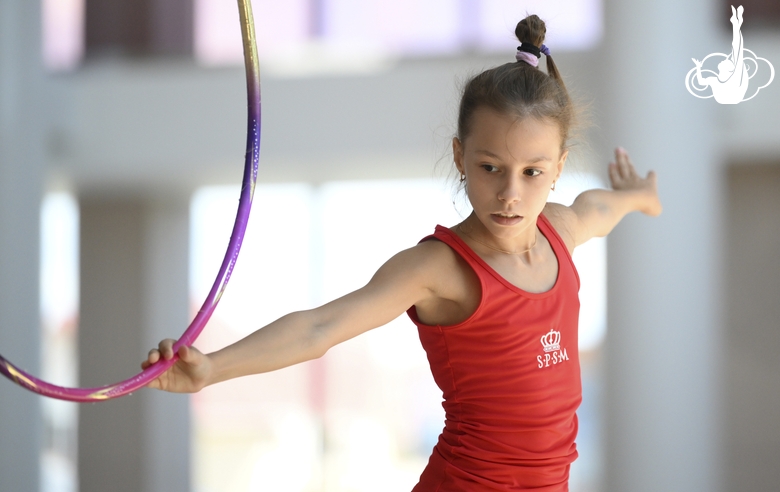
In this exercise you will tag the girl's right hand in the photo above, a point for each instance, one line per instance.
(189, 374)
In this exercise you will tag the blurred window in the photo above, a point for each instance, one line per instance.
(349, 28)
(59, 290)
(400, 28)
(63, 33)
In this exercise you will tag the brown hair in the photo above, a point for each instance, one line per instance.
(519, 88)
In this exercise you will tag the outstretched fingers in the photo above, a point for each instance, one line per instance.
(624, 161)
(621, 170)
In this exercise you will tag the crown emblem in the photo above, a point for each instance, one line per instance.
(551, 341)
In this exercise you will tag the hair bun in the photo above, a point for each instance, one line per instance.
(531, 30)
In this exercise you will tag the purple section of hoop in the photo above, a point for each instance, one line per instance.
(249, 180)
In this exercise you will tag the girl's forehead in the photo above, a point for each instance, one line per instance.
(500, 133)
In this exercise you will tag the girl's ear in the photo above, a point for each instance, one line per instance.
(457, 154)
(561, 164)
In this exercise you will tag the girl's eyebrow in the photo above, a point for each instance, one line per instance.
(495, 156)
(487, 153)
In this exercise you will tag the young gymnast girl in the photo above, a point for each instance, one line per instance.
(494, 297)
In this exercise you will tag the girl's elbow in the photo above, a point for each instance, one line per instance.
(318, 343)
(318, 337)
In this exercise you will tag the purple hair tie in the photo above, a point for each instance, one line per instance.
(544, 49)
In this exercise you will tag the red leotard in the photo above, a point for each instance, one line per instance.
(510, 377)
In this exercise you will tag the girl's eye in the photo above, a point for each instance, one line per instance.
(532, 172)
(489, 168)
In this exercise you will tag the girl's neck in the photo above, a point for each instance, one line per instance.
(523, 244)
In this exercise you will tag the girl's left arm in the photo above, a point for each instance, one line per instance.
(595, 213)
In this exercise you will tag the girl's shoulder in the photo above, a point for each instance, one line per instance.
(435, 256)
(454, 285)
(564, 221)
(451, 274)
(427, 260)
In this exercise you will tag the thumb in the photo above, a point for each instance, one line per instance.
(188, 354)
(185, 354)
(651, 176)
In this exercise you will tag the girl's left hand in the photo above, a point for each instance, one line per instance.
(623, 177)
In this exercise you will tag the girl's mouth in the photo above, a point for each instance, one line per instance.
(506, 219)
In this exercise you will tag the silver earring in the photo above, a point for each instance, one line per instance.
(553, 186)
(462, 177)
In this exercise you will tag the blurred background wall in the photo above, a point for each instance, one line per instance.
(141, 110)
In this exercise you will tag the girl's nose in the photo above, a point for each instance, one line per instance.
(510, 191)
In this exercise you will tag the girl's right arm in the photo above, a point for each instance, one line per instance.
(407, 278)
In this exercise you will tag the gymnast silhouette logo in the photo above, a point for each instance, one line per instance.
(735, 70)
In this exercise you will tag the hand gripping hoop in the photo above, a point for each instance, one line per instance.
(249, 180)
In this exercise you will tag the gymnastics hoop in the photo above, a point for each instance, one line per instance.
(249, 180)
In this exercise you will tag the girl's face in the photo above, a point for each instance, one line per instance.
(510, 166)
